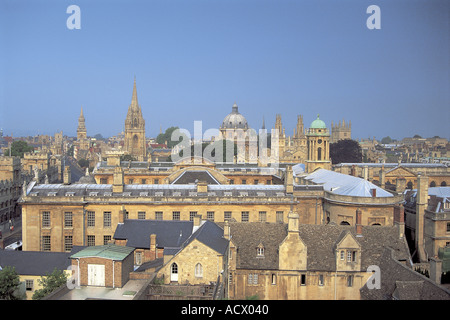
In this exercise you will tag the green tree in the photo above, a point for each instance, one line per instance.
(345, 151)
(386, 140)
(127, 157)
(9, 284)
(49, 283)
(18, 148)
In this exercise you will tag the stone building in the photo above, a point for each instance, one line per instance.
(10, 187)
(135, 142)
(341, 131)
(297, 261)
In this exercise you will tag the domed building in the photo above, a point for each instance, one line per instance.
(234, 125)
(318, 141)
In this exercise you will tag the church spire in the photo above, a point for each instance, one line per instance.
(134, 100)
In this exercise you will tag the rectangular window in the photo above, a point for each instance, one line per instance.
(342, 254)
(107, 219)
(106, 239)
(252, 278)
(68, 243)
(349, 256)
(103, 181)
(141, 215)
(244, 181)
(448, 226)
(321, 280)
(210, 215)
(91, 240)
(46, 219)
(227, 215)
(350, 281)
(46, 243)
(192, 214)
(280, 218)
(91, 219)
(231, 181)
(156, 181)
(303, 280)
(244, 216)
(143, 181)
(130, 181)
(353, 256)
(68, 220)
(158, 215)
(29, 285)
(262, 216)
(176, 215)
(256, 181)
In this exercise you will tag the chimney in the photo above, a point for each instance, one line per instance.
(353, 171)
(197, 220)
(289, 180)
(118, 179)
(435, 269)
(373, 192)
(358, 222)
(122, 215)
(67, 177)
(399, 219)
(382, 177)
(366, 173)
(226, 230)
(153, 246)
(421, 206)
(293, 222)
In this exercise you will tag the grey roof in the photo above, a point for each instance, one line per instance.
(191, 176)
(36, 263)
(211, 235)
(169, 233)
(400, 282)
(320, 241)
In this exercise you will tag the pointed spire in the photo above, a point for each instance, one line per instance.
(134, 100)
(81, 113)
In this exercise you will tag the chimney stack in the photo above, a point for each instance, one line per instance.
(118, 180)
(399, 219)
(435, 269)
(293, 222)
(122, 214)
(226, 230)
(358, 222)
(421, 206)
(289, 180)
(153, 246)
(373, 192)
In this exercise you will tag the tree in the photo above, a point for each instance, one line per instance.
(386, 140)
(18, 148)
(49, 283)
(9, 284)
(345, 151)
(167, 137)
(127, 157)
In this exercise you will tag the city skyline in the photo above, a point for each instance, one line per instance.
(193, 60)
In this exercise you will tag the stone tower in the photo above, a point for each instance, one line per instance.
(82, 143)
(318, 138)
(135, 143)
(341, 131)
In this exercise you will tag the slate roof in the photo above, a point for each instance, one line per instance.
(400, 282)
(169, 233)
(211, 235)
(36, 263)
(320, 240)
(191, 176)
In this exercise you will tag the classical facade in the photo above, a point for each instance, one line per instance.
(135, 143)
(10, 187)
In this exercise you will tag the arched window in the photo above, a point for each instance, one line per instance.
(135, 123)
(174, 272)
(443, 184)
(344, 223)
(135, 141)
(432, 184)
(199, 270)
(409, 185)
(319, 154)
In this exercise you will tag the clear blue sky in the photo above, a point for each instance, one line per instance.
(193, 59)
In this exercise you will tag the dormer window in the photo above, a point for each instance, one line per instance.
(351, 256)
(260, 251)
